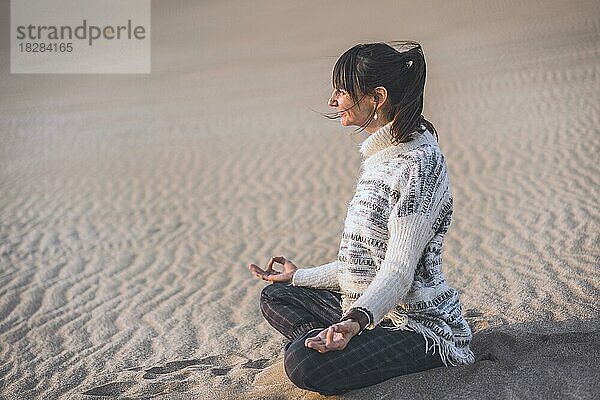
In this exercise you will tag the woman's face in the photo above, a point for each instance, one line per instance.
(350, 113)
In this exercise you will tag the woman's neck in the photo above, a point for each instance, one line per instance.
(376, 125)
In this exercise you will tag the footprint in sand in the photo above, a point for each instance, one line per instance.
(220, 371)
(261, 363)
(110, 389)
(219, 365)
(174, 366)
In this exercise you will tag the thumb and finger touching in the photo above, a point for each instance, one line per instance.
(330, 339)
(270, 274)
(270, 265)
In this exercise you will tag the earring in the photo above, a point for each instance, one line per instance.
(375, 114)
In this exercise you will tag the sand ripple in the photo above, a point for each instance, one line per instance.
(130, 206)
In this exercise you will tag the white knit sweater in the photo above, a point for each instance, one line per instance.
(390, 256)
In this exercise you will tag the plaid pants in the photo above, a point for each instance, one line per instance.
(372, 357)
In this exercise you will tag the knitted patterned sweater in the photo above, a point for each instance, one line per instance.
(390, 256)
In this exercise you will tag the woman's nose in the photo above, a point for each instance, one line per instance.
(332, 101)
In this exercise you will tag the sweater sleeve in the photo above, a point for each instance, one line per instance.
(322, 277)
(410, 227)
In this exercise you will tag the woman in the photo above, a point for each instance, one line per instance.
(383, 308)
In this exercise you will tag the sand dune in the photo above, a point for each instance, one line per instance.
(130, 205)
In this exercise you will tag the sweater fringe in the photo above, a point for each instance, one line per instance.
(447, 350)
(397, 318)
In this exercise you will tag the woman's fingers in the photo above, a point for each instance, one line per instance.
(288, 267)
(256, 268)
(257, 271)
(316, 342)
(329, 337)
(272, 275)
(320, 337)
(279, 259)
(270, 265)
(338, 340)
(317, 345)
(322, 342)
(260, 273)
(327, 340)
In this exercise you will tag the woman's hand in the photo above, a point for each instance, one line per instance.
(275, 276)
(336, 337)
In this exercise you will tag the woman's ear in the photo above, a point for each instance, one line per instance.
(381, 95)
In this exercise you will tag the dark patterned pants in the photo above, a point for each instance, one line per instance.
(372, 357)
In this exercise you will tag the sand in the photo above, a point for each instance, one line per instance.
(130, 205)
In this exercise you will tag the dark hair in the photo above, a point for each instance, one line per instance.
(400, 69)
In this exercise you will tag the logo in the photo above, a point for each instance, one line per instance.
(80, 36)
